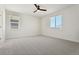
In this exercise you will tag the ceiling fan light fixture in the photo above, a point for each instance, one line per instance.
(38, 8)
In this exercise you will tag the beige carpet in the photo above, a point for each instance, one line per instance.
(39, 45)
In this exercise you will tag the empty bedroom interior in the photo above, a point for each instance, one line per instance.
(39, 29)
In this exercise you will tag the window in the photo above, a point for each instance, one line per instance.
(14, 21)
(14, 24)
(56, 22)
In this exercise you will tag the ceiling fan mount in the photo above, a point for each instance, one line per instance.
(38, 8)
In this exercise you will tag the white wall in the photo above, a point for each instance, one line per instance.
(29, 26)
(2, 24)
(70, 29)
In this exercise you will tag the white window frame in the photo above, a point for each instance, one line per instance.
(55, 22)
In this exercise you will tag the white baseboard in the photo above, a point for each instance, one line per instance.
(22, 36)
(43, 35)
(60, 38)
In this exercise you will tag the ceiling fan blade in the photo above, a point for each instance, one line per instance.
(38, 8)
(36, 5)
(42, 9)
(35, 11)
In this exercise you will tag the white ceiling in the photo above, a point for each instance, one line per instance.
(29, 8)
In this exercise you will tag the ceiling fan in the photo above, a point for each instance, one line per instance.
(38, 8)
